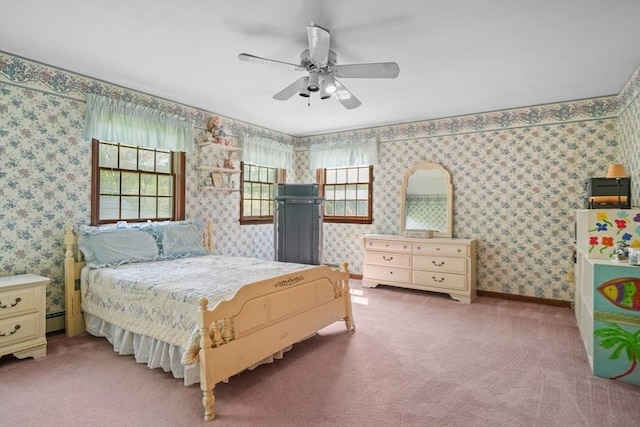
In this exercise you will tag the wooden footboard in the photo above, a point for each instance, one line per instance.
(265, 317)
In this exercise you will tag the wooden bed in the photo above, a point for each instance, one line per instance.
(261, 319)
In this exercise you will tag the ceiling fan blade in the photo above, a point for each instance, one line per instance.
(319, 39)
(290, 90)
(380, 70)
(256, 59)
(345, 97)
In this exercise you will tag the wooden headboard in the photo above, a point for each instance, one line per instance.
(73, 263)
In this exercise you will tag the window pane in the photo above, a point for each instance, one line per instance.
(147, 207)
(164, 207)
(341, 175)
(148, 184)
(271, 175)
(108, 156)
(350, 208)
(128, 158)
(264, 175)
(350, 192)
(109, 182)
(129, 207)
(329, 192)
(147, 161)
(330, 176)
(255, 208)
(363, 192)
(339, 209)
(130, 183)
(329, 208)
(246, 207)
(164, 185)
(163, 162)
(109, 207)
(266, 191)
(339, 193)
(265, 206)
(362, 208)
(364, 174)
(352, 175)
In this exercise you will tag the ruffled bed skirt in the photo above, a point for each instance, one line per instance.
(152, 352)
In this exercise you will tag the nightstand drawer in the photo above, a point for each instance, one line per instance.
(19, 301)
(440, 264)
(388, 259)
(386, 245)
(387, 274)
(20, 328)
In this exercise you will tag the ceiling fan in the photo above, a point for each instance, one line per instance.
(319, 61)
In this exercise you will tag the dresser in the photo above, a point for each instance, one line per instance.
(446, 265)
(22, 315)
(607, 299)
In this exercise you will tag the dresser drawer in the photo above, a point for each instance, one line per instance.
(19, 301)
(20, 328)
(440, 264)
(385, 274)
(388, 259)
(440, 249)
(439, 280)
(385, 245)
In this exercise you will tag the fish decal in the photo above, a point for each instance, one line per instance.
(623, 292)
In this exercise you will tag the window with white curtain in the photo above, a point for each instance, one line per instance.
(264, 167)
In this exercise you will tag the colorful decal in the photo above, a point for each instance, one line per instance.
(624, 292)
(622, 342)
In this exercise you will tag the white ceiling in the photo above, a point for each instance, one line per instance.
(456, 57)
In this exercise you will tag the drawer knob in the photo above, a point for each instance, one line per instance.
(11, 305)
(459, 250)
(438, 280)
(437, 249)
(418, 248)
(438, 264)
(384, 257)
(15, 329)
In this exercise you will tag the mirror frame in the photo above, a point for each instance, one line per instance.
(405, 182)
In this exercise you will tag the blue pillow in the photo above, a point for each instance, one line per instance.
(108, 246)
(180, 239)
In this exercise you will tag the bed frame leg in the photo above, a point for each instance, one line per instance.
(348, 318)
(208, 399)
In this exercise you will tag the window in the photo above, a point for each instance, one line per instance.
(135, 184)
(348, 193)
(258, 190)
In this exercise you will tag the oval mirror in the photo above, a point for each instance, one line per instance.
(427, 201)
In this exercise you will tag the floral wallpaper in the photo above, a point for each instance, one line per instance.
(517, 175)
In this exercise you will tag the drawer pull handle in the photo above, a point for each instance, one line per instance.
(418, 248)
(438, 264)
(437, 249)
(11, 305)
(15, 329)
(404, 247)
(386, 246)
(459, 250)
(438, 280)
(384, 257)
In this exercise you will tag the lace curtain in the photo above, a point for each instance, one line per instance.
(343, 154)
(267, 152)
(109, 119)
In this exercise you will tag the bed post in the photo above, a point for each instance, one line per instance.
(348, 318)
(73, 321)
(208, 398)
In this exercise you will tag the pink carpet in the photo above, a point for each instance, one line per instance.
(417, 359)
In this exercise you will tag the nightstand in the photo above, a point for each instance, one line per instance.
(22, 315)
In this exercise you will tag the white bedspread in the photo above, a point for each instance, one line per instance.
(160, 299)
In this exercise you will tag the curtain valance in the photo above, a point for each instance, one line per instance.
(110, 119)
(341, 154)
(267, 152)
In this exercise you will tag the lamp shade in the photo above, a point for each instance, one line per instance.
(616, 170)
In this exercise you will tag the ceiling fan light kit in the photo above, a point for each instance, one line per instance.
(320, 63)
